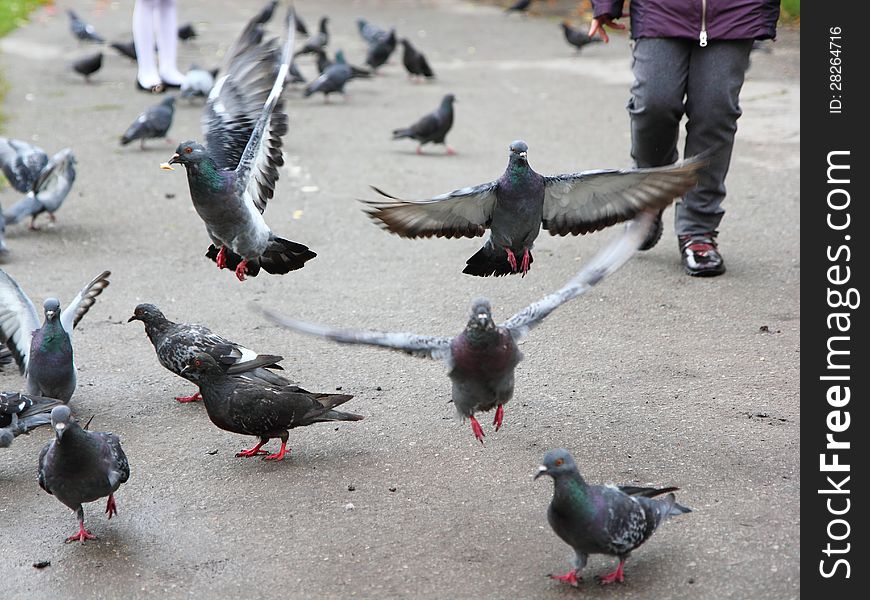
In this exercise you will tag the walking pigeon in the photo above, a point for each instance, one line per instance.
(379, 51)
(602, 519)
(186, 32)
(83, 31)
(177, 343)
(481, 360)
(324, 63)
(153, 123)
(80, 466)
(21, 414)
(233, 177)
(88, 65)
(317, 41)
(127, 49)
(44, 354)
(332, 80)
(577, 37)
(431, 128)
(197, 82)
(49, 191)
(415, 62)
(370, 33)
(516, 205)
(265, 411)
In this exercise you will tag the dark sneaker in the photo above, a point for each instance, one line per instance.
(700, 254)
(655, 233)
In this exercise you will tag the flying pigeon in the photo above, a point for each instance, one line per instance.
(432, 127)
(415, 62)
(50, 189)
(602, 519)
(482, 358)
(83, 31)
(153, 123)
(233, 177)
(317, 41)
(21, 414)
(517, 204)
(80, 466)
(370, 33)
(88, 65)
(177, 343)
(197, 82)
(577, 37)
(265, 411)
(519, 6)
(127, 49)
(379, 51)
(332, 80)
(186, 32)
(44, 354)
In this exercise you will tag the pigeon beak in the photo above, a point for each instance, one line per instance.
(49, 314)
(483, 319)
(59, 428)
(523, 154)
(167, 166)
(542, 470)
(131, 319)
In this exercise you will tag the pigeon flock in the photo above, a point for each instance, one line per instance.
(232, 174)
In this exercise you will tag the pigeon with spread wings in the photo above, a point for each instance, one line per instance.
(233, 176)
(515, 206)
(481, 360)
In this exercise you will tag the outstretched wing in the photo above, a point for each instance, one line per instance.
(21, 163)
(608, 260)
(579, 203)
(416, 345)
(83, 301)
(56, 180)
(18, 319)
(461, 213)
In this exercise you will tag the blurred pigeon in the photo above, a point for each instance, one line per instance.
(577, 37)
(177, 343)
(80, 466)
(414, 61)
(294, 75)
(127, 49)
(83, 31)
(380, 50)
(44, 354)
(370, 33)
(197, 82)
(233, 178)
(88, 65)
(519, 6)
(186, 32)
(316, 42)
(265, 14)
(300, 25)
(332, 80)
(432, 127)
(21, 163)
(265, 411)
(153, 123)
(49, 191)
(515, 206)
(324, 63)
(21, 414)
(481, 360)
(602, 519)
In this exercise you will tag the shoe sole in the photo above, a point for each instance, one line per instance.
(706, 272)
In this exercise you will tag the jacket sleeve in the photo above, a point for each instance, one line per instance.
(610, 8)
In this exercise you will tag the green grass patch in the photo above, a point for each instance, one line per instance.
(791, 9)
(13, 13)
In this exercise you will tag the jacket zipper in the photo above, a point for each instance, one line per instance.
(703, 37)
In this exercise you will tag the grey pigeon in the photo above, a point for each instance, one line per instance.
(332, 80)
(20, 414)
(379, 51)
(186, 32)
(577, 37)
(80, 466)
(602, 519)
(432, 127)
(176, 343)
(233, 177)
(517, 204)
(127, 49)
(21, 163)
(44, 354)
(300, 25)
(415, 62)
(317, 41)
(294, 75)
(88, 65)
(265, 411)
(370, 33)
(265, 14)
(153, 123)
(519, 6)
(482, 358)
(83, 31)
(49, 191)
(323, 63)
(197, 82)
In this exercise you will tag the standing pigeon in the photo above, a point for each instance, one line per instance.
(44, 354)
(233, 177)
(186, 32)
(80, 466)
(265, 411)
(21, 414)
(516, 205)
(324, 63)
(370, 33)
(153, 123)
(88, 65)
(127, 49)
(317, 41)
(431, 128)
(379, 51)
(332, 80)
(197, 82)
(415, 62)
(577, 37)
(294, 75)
(83, 31)
(177, 343)
(482, 358)
(602, 519)
(49, 191)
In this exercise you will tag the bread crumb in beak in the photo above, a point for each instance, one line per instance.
(166, 166)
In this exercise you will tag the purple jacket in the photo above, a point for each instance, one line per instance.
(696, 19)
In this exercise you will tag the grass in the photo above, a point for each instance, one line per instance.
(791, 9)
(13, 13)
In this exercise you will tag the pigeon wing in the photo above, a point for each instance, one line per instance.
(83, 301)
(18, 320)
(21, 163)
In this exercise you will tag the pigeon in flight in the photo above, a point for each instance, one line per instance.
(415, 62)
(49, 191)
(80, 466)
(602, 519)
(577, 37)
(20, 414)
(44, 354)
(233, 176)
(265, 411)
(153, 123)
(88, 65)
(432, 127)
(515, 206)
(83, 31)
(481, 360)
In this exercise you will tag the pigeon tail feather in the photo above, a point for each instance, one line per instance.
(490, 261)
(283, 256)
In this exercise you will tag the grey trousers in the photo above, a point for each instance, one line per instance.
(675, 77)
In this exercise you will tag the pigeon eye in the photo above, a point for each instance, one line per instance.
(188, 150)
(197, 363)
(559, 462)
